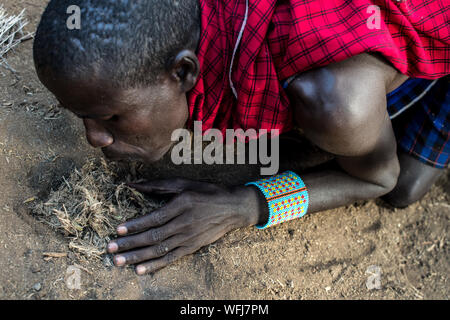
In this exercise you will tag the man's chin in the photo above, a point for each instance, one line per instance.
(154, 157)
(119, 157)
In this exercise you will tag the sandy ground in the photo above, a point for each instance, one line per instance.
(322, 256)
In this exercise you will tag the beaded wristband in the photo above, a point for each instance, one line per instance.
(286, 195)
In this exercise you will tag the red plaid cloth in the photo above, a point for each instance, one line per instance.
(285, 38)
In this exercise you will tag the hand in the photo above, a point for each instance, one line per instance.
(199, 214)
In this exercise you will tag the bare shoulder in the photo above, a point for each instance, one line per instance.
(351, 88)
(362, 73)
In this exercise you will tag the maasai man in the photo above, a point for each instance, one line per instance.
(135, 71)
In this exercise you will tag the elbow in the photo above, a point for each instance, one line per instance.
(389, 178)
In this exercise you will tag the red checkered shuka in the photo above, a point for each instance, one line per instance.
(284, 38)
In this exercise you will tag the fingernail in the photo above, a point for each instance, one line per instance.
(120, 261)
(122, 230)
(113, 247)
(140, 270)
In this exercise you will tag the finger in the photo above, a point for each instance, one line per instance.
(175, 185)
(153, 219)
(156, 264)
(146, 238)
(145, 254)
(169, 258)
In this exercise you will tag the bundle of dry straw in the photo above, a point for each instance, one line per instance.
(11, 32)
(89, 206)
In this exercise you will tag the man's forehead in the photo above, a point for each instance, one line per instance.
(96, 98)
(91, 109)
(86, 99)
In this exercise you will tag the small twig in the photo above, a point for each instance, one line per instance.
(55, 254)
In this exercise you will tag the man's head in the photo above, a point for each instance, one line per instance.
(126, 71)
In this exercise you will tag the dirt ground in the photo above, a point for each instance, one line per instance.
(322, 256)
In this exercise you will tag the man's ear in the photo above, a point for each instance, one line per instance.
(185, 69)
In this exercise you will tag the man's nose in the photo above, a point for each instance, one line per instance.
(97, 135)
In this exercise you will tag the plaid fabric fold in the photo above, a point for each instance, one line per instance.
(284, 38)
(421, 112)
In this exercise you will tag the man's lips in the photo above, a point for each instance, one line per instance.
(121, 151)
(129, 152)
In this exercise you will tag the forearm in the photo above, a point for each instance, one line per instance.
(350, 179)
(327, 190)
(365, 176)
(335, 188)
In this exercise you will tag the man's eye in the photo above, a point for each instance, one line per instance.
(109, 118)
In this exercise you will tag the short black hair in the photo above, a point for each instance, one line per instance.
(129, 41)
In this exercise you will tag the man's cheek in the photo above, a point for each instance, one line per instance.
(134, 126)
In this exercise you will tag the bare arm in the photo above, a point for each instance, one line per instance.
(342, 109)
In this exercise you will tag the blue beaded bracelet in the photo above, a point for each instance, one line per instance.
(286, 195)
